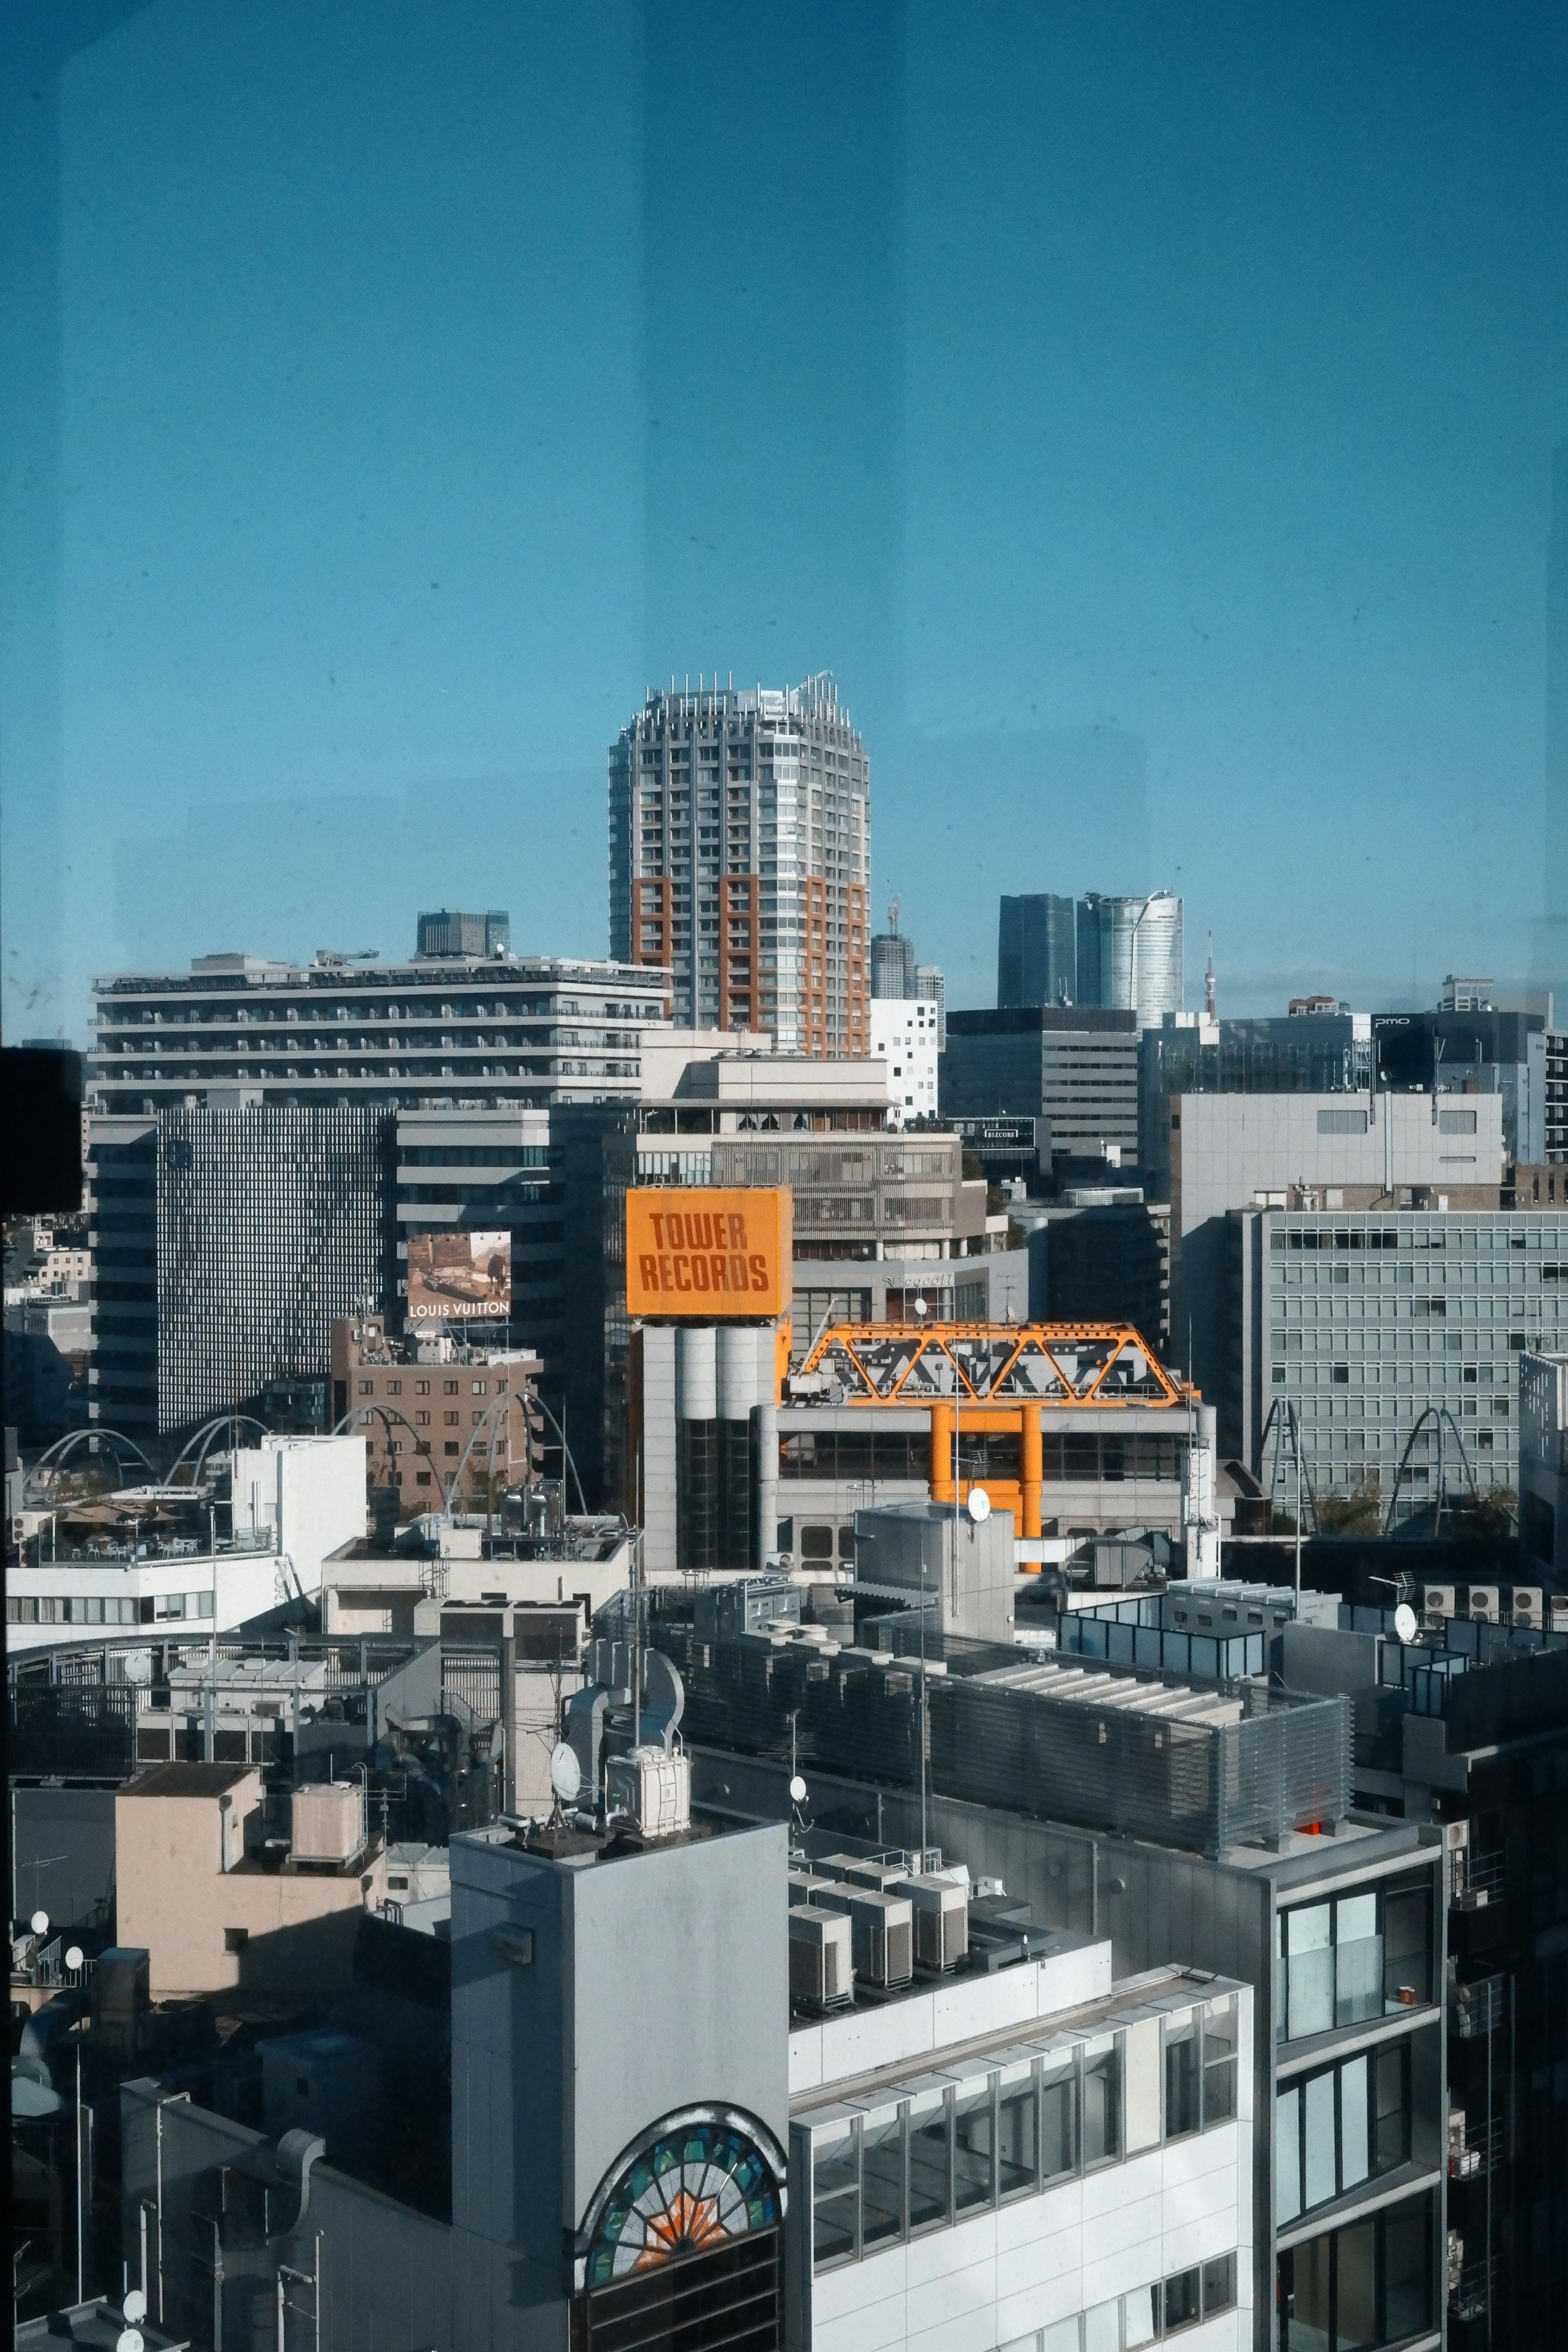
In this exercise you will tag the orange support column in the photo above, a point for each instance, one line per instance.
(1030, 1469)
(941, 1453)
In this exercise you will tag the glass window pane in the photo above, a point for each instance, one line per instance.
(833, 2160)
(1288, 2154)
(1219, 2283)
(929, 2160)
(1307, 1930)
(834, 2230)
(1181, 2301)
(1017, 2133)
(1058, 2119)
(1139, 2318)
(972, 2147)
(1357, 1988)
(1102, 2327)
(1318, 2183)
(1355, 2094)
(1181, 2114)
(1308, 2308)
(1391, 2136)
(1355, 2288)
(882, 2178)
(1141, 2085)
(1062, 2337)
(1356, 1918)
(1102, 2100)
(1407, 1946)
(1407, 2270)
(1310, 1990)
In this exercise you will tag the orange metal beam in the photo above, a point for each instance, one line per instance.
(854, 1341)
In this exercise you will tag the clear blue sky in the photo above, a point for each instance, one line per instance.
(1147, 413)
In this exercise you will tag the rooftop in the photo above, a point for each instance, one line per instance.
(188, 1780)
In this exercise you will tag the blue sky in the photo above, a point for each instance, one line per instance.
(1147, 414)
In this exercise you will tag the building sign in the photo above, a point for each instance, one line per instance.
(709, 1255)
(460, 1277)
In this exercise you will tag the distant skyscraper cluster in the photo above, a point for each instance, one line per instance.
(740, 857)
(1121, 955)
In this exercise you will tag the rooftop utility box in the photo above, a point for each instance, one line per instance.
(652, 1789)
(821, 1965)
(881, 1931)
(328, 1821)
(941, 1907)
(965, 1567)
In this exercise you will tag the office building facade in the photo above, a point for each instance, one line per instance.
(904, 1034)
(1075, 1067)
(892, 964)
(1036, 950)
(1370, 1324)
(440, 1031)
(1320, 1050)
(741, 858)
(930, 988)
(224, 1244)
(1465, 1047)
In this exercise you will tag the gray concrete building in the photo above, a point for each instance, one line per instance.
(1074, 1067)
(1369, 1323)
(452, 1032)
(1212, 1153)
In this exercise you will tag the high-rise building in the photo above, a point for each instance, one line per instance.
(446, 933)
(1037, 951)
(1130, 955)
(930, 988)
(892, 964)
(740, 860)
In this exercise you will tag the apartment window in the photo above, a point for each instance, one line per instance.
(367, 1388)
(1357, 1957)
(448, 1387)
(1344, 1122)
(1102, 2100)
(452, 1419)
(394, 1388)
(1370, 2282)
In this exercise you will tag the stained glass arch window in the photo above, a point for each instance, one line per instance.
(694, 2182)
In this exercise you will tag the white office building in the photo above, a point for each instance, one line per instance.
(906, 1033)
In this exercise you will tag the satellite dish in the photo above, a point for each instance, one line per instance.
(1404, 1623)
(138, 1667)
(129, 2340)
(797, 1790)
(979, 1506)
(75, 1957)
(135, 2306)
(40, 1923)
(565, 1773)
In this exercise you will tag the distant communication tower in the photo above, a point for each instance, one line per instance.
(893, 919)
(1209, 1012)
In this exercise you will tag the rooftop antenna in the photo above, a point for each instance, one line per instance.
(1210, 1014)
(893, 917)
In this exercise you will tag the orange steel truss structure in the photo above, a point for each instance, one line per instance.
(993, 1380)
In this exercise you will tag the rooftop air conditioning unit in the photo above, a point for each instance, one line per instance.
(940, 1908)
(1557, 1611)
(881, 1932)
(887, 1877)
(651, 1789)
(820, 1966)
(1485, 1603)
(327, 1823)
(1528, 1605)
(1437, 1603)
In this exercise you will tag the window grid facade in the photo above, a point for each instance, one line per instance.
(1367, 1320)
(740, 860)
(428, 1034)
(271, 1223)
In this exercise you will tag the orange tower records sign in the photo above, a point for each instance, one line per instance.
(709, 1255)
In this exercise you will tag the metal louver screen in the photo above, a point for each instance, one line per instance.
(725, 2300)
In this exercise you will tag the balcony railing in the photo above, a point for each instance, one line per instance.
(1478, 2009)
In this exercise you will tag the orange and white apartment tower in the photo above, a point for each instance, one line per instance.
(741, 858)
